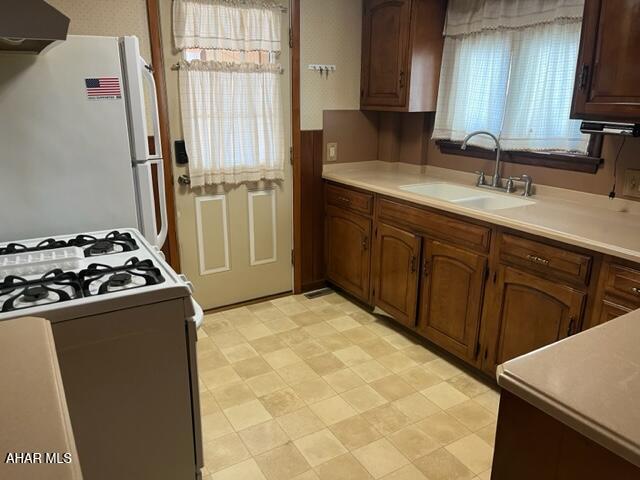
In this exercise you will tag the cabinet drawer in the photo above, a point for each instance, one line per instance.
(345, 198)
(436, 225)
(546, 259)
(623, 282)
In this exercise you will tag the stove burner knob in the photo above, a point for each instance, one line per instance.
(33, 294)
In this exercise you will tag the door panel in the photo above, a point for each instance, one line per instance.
(452, 293)
(348, 258)
(385, 44)
(610, 310)
(397, 257)
(531, 312)
(235, 241)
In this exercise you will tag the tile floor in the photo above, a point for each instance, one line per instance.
(320, 389)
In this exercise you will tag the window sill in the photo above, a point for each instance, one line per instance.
(561, 161)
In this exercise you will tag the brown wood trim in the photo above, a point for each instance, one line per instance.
(566, 161)
(170, 248)
(296, 144)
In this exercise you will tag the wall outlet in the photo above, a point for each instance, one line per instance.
(332, 152)
(631, 183)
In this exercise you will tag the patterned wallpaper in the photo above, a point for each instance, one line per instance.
(330, 33)
(109, 18)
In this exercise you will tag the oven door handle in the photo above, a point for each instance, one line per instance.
(198, 316)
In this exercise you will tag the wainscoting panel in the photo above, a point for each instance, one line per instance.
(212, 226)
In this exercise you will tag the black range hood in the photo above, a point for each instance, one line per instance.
(28, 26)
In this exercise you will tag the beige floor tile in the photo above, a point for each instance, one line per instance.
(211, 359)
(420, 378)
(488, 434)
(473, 452)
(344, 467)
(263, 437)
(392, 387)
(295, 336)
(300, 423)
(442, 465)
(217, 325)
(219, 377)
(381, 328)
(234, 394)
(252, 367)
(443, 368)
(468, 385)
(355, 432)
(281, 358)
(472, 415)
(362, 317)
(371, 371)
(359, 334)
(343, 380)
(247, 414)
(334, 341)
(281, 324)
(352, 355)
(242, 351)
(297, 372)
(228, 339)
(396, 362)
(343, 323)
(242, 471)
(282, 463)
(308, 475)
(419, 354)
(416, 406)
(332, 410)
(387, 419)
(215, 426)
(292, 308)
(444, 395)
(380, 458)
(266, 384)
(312, 391)
(269, 313)
(399, 340)
(443, 428)
(486, 475)
(253, 332)
(319, 329)
(325, 364)
(268, 344)
(282, 402)
(408, 472)
(327, 313)
(377, 347)
(305, 319)
(208, 404)
(413, 442)
(224, 452)
(308, 349)
(489, 400)
(239, 312)
(320, 447)
(363, 398)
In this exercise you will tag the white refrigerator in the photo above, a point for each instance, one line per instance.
(74, 154)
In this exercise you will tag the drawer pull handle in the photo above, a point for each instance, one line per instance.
(344, 200)
(572, 319)
(537, 259)
(414, 264)
(635, 290)
(365, 243)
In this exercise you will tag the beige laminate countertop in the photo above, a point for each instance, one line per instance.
(590, 221)
(590, 382)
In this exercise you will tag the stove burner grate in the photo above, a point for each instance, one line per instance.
(99, 279)
(47, 244)
(53, 287)
(113, 242)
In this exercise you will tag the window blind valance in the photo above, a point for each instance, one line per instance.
(242, 25)
(465, 17)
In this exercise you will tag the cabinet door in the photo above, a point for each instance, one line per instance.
(609, 311)
(385, 44)
(396, 265)
(608, 72)
(348, 258)
(452, 292)
(530, 312)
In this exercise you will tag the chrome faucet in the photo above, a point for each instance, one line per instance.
(496, 181)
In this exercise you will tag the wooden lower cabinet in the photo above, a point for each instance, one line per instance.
(610, 310)
(396, 265)
(451, 297)
(528, 312)
(347, 251)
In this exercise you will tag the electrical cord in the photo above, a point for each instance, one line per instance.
(612, 193)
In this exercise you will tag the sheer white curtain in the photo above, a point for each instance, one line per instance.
(231, 102)
(508, 67)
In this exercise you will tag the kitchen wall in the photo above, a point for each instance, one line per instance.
(109, 18)
(330, 33)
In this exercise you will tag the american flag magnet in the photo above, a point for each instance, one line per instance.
(100, 88)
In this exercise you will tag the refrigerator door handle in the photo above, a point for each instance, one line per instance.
(162, 200)
(155, 116)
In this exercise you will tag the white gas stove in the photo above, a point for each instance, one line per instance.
(53, 277)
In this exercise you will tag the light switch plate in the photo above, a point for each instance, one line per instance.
(332, 152)
(631, 183)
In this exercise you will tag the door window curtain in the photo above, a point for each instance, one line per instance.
(230, 93)
(509, 67)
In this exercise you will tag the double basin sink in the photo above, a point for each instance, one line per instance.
(467, 196)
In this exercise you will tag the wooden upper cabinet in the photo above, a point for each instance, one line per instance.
(401, 54)
(529, 312)
(347, 251)
(396, 265)
(451, 300)
(608, 72)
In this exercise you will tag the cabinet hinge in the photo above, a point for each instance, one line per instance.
(291, 155)
(487, 272)
(293, 257)
(477, 351)
(290, 37)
